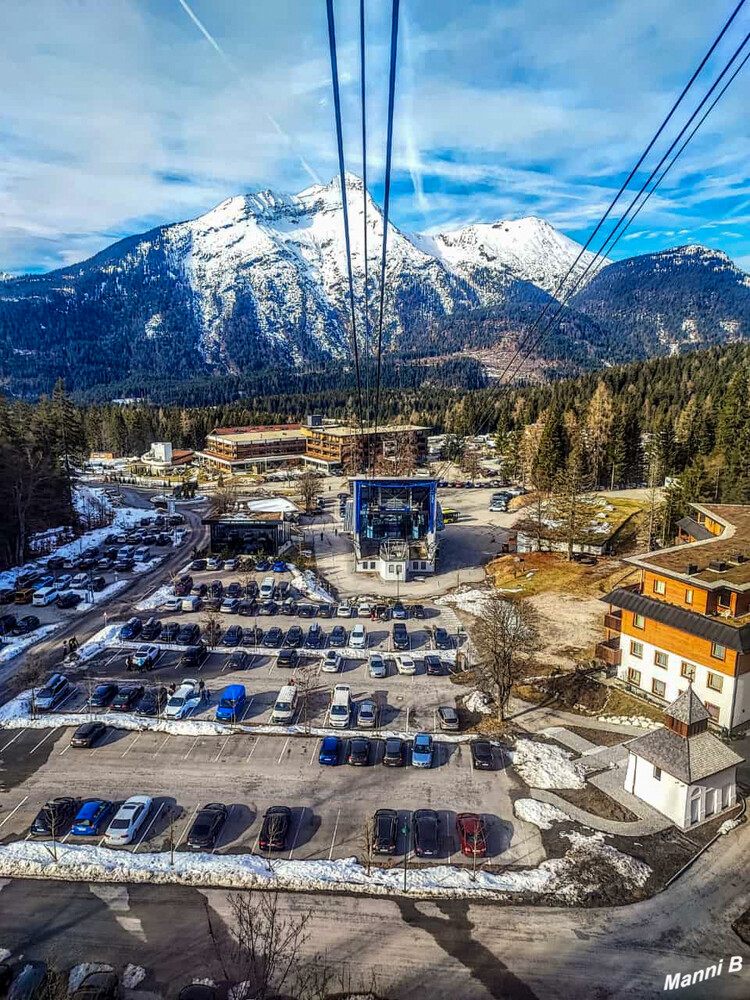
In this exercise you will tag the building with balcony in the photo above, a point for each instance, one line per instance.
(687, 620)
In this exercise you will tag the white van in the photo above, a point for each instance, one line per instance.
(191, 603)
(45, 596)
(267, 588)
(358, 638)
(341, 706)
(286, 704)
(126, 552)
(142, 553)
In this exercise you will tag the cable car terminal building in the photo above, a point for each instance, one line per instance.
(394, 523)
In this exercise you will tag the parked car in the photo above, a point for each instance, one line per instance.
(421, 750)
(279, 566)
(448, 718)
(358, 752)
(31, 982)
(98, 986)
(145, 657)
(199, 590)
(197, 565)
(183, 585)
(262, 565)
(385, 831)
(367, 714)
(69, 599)
(54, 816)
(273, 638)
(131, 629)
(418, 611)
(288, 658)
(432, 665)
(315, 637)
(234, 589)
(128, 820)
(214, 563)
(382, 612)
(426, 833)
(442, 639)
(395, 752)
(376, 666)
(332, 662)
(26, 625)
(230, 565)
(232, 636)
(337, 638)
(268, 608)
(170, 632)
(232, 703)
(294, 637)
(399, 612)
(330, 750)
(7, 624)
(152, 701)
(275, 828)
(400, 636)
(88, 734)
(193, 656)
(151, 630)
(358, 638)
(102, 695)
(481, 755)
(207, 826)
(252, 636)
(188, 634)
(325, 611)
(247, 608)
(55, 691)
(90, 817)
(405, 664)
(306, 610)
(126, 697)
(344, 610)
(471, 833)
(186, 698)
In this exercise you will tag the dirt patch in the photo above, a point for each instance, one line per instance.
(601, 737)
(741, 927)
(551, 573)
(620, 703)
(597, 802)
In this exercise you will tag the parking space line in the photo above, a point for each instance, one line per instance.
(315, 750)
(296, 832)
(193, 746)
(130, 746)
(221, 751)
(252, 750)
(283, 749)
(20, 732)
(158, 811)
(50, 733)
(163, 742)
(187, 827)
(13, 811)
(333, 838)
(247, 709)
(65, 749)
(226, 823)
(254, 848)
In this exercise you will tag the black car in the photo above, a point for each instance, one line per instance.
(207, 826)
(234, 590)
(247, 608)
(193, 657)
(315, 638)
(213, 603)
(102, 695)
(481, 755)
(197, 565)
(69, 599)
(98, 986)
(433, 665)
(170, 631)
(442, 639)
(274, 638)
(289, 607)
(98, 583)
(268, 608)
(325, 611)
(131, 629)
(88, 734)
(217, 588)
(358, 752)
(417, 611)
(252, 636)
(152, 629)
(188, 634)
(7, 624)
(294, 637)
(232, 636)
(27, 624)
(273, 833)
(30, 983)
(288, 658)
(400, 636)
(426, 833)
(337, 637)
(237, 661)
(306, 610)
(200, 590)
(385, 831)
(126, 697)
(197, 991)
(395, 752)
(124, 565)
(183, 585)
(251, 589)
(152, 702)
(54, 817)
(382, 612)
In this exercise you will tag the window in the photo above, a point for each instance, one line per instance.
(718, 651)
(636, 649)
(423, 565)
(660, 587)
(715, 681)
(634, 677)
(639, 621)
(688, 670)
(661, 659)
(657, 773)
(713, 710)
(659, 688)
(688, 596)
(391, 568)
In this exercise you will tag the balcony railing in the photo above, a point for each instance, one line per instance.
(609, 652)
(613, 621)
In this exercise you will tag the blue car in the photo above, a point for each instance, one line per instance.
(279, 566)
(421, 750)
(263, 565)
(330, 749)
(90, 818)
(232, 703)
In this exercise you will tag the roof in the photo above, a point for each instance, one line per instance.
(345, 430)
(695, 529)
(256, 428)
(248, 435)
(734, 540)
(688, 759)
(719, 630)
(688, 708)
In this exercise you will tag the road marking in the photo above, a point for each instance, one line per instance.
(50, 733)
(296, 832)
(254, 848)
(131, 745)
(283, 749)
(13, 740)
(158, 811)
(221, 750)
(187, 827)
(65, 749)
(13, 811)
(194, 744)
(333, 838)
(163, 742)
(66, 698)
(315, 750)
(247, 709)
(255, 743)
(226, 823)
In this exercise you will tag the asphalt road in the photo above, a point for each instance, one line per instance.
(443, 950)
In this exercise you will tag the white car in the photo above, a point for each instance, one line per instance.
(230, 564)
(186, 698)
(358, 638)
(213, 562)
(127, 821)
(405, 664)
(146, 656)
(332, 662)
(377, 666)
(364, 610)
(80, 581)
(344, 610)
(172, 604)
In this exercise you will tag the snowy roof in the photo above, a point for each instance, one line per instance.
(277, 505)
(687, 759)
(688, 708)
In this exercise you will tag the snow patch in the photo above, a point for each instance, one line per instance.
(473, 602)
(156, 599)
(541, 814)
(132, 975)
(477, 701)
(638, 721)
(543, 765)
(14, 646)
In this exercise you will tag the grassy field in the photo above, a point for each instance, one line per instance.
(550, 572)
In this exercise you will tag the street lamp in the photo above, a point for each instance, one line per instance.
(405, 832)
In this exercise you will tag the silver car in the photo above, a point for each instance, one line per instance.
(367, 714)
(377, 666)
(448, 718)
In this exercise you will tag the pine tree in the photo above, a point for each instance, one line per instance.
(573, 504)
(550, 455)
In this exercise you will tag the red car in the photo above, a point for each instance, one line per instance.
(470, 828)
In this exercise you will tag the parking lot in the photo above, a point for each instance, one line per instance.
(330, 804)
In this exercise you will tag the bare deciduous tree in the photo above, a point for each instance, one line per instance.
(211, 625)
(305, 679)
(309, 488)
(367, 842)
(472, 464)
(505, 635)
(31, 678)
(224, 499)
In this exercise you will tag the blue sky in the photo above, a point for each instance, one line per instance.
(118, 115)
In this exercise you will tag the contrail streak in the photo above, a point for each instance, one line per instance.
(220, 51)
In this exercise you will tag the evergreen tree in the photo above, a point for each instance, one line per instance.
(550, 455)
